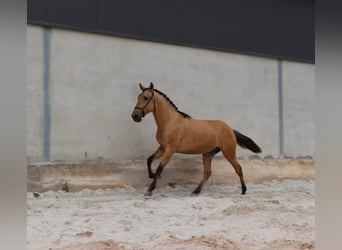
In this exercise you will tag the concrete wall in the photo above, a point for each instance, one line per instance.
(94, 83)
(35, 113)
(299, 93)
(45, 176)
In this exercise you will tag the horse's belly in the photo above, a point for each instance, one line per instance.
(193, 150)
(197, 145)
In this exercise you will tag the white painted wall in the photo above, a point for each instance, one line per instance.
(94, 84)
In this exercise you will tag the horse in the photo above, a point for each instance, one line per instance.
(177, 132)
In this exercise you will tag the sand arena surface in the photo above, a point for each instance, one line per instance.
(272, 215)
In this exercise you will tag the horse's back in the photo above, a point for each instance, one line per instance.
(201, 136)
(215, 127)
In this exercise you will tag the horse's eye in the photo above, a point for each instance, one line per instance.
(145, 98)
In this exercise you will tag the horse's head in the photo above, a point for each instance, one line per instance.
(145, 103)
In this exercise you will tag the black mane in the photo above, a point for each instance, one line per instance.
(172, 104)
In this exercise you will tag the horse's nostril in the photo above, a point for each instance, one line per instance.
(136, 117)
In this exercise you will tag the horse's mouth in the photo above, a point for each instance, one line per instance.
(136, 118)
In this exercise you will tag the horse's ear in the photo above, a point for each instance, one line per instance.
(151, 86)
(141, 87)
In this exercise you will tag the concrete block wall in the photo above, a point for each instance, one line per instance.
(94, 83)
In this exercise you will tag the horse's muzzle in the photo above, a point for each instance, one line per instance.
(136, 117)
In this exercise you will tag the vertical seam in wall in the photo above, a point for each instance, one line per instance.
(280, 107)
(46, 88)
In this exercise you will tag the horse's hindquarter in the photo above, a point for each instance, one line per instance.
(200, 136)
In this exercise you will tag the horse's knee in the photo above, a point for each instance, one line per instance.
(149, 160)
(149, 164)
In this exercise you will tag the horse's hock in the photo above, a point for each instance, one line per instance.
(93, 175)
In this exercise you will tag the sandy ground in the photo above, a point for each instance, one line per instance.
(272, 215)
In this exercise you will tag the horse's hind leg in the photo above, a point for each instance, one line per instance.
(230, 155)
(150, 159)
(239, 172)
(207, 157)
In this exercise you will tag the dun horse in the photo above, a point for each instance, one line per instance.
(178, 133)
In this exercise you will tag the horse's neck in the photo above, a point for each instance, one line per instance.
(164, 114)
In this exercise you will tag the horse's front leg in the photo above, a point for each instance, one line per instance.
(165, 159)
(150, 159)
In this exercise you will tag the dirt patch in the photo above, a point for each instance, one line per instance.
(97, 245)
(272, 215)
(202, 242)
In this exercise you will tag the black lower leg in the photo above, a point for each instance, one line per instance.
(154, 182)
(238, 171)
(149, 164)
(244, 188)
(198, 189)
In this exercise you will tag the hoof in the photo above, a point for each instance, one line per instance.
(197, 190)
(194, 194)
(244, 189)
(172, 184)
(148, 193)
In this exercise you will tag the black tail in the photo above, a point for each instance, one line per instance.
(246, 142)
